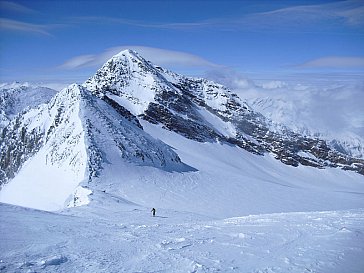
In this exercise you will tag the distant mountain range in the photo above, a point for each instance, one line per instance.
(16, 97)
(333, 113)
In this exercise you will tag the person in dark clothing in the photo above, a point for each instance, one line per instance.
(153, 211)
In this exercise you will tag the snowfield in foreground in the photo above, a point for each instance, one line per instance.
(128, 239)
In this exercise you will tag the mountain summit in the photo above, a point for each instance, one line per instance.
(139, 133)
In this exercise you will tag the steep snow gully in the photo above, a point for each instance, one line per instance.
(233, 193)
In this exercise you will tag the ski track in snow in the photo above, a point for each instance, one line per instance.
(130, 240)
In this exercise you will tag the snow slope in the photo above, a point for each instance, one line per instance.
(128, 239)
(231, 182)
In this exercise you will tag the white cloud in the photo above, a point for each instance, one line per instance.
(353, 16)
(334, 62)
(79, 62)
(319, 17)
(347, 12)
(11, 6)
(273, 84)
(230, 78)
(158, 56)
(9, 24)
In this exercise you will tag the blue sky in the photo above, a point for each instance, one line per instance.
(67, 41)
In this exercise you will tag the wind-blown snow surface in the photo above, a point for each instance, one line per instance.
(128, 239)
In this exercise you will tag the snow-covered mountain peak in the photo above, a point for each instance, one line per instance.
(128, 54)
(131, 61)
(131, 78)
(68, 95)
(120, 69)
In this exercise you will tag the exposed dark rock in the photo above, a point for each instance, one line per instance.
(122, 111)
(17, 144)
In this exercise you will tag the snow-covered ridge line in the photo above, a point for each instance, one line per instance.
(44, 143)
(72, 137)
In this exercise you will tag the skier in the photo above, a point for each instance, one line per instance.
(153, 211)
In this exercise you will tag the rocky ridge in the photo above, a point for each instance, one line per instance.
(76, 130)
